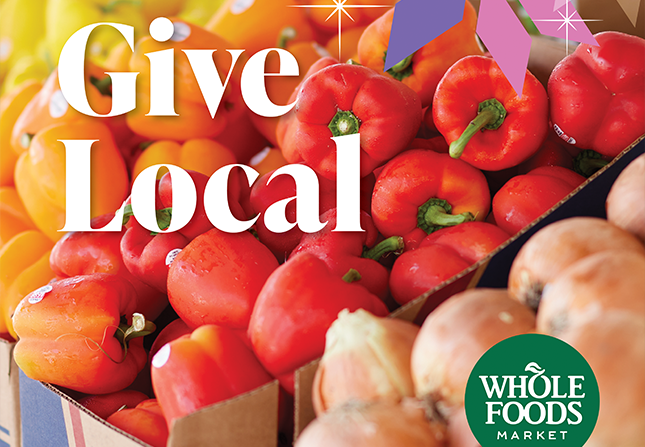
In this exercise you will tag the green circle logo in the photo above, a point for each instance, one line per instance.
(530, 389)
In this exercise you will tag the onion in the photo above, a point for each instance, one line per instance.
(366, 358)
(613, 279)
(615, 350)
(456, 335)
(374, 424)
(459, 433)
(626, 199)
(557, 246)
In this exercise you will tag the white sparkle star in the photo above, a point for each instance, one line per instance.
(339, 8)
(567, 22)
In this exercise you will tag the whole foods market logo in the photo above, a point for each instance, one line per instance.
(532, 389)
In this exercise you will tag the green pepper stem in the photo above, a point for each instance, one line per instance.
(389, 245)
(286, 34)
(588, 162)
(25, 139)
(401, 70)
(344, 123)
(435, 215)
(351, 276)
(405, 63)
(102, 85)
(491, 115)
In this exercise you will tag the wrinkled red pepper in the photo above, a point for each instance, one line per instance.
(597, 94)
(421, 191)
(345, 99)
(524, 198)
(440, 256)
(342, 251)
(296, 306)
(485, 122)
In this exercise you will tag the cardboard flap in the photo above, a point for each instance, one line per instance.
(249, 420)
(9, 397)
(304, 409)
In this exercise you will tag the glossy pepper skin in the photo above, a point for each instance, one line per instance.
(345, 99)
(194, 120)
(145, 421)
(13, 215)
(597, 94)
(104, 405)
(211, 365)
(440, 256)
(474, 94)
(68, 334)
(24, 267)
(422, 70)
(420, 191)
(296, 306)
(524, 198)
(342, 251)
(41, 181)
(84, 253)
(217, 277)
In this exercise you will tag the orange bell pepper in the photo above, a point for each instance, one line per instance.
(194, 120)
(280, 88)
(145, 421)
(41, 178)
(201, 155)
(70, 334)
(260, 24)
(422, 70)
(360, 16)
(50, 107)
(24, 266)
(349, 44)
(13, 216)
(11, 106)
(267, 160)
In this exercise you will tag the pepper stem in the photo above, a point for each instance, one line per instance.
(491, 115)
(344, 123)
(351, 276)
(286, 34)
(435, 215)
(102, 85)
(588, 162)
(389, 245)
(25, 139)
(401, 70)
(140, 328)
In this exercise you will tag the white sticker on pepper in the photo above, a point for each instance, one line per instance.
(58, 105)
(5, 49)
(181, 33)
(239, 6)
(172, 254)
(38, 295)
(162, 356)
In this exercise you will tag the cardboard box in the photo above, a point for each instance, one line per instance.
(9, 398)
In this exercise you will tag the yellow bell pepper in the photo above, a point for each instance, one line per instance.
(24, 267)
(201, 155)
(11, 106)
(41, 178)
(13, 216)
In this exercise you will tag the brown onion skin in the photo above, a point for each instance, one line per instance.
(614, 347)
(626, 200)
(456, 335)
(374, 424)
(459, 433)
(584, 292)
(362, 364)
(555, 247)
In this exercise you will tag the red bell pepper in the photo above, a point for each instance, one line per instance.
(72, 335)
(217, 277)
(145, 422)
(440, 256)
(475, 95)
(524, 198)
(345, 99)
(597, 94)
(342, 251)
(209, 366)
(282, 187)
(175, 329)
(418, 190)
(296, 306)
(551, 153)
(104, 405)
(84, 253)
